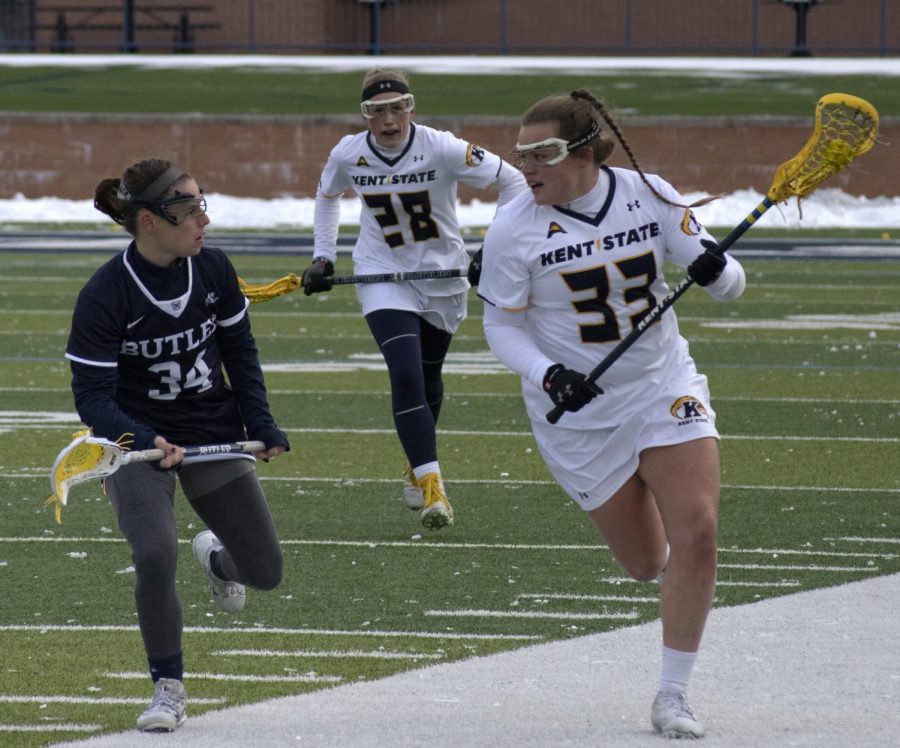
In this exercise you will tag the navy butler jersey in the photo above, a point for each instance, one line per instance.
(161, 348)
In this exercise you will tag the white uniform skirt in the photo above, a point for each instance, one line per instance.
(445, 312)
(592, 464)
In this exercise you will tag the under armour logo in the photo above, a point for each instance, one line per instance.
(418, 158)
(632, 206)
(566, 393)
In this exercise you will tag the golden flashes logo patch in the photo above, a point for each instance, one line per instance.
(474, 155)
(689, 409)
(689, 224)
(555, 228)
(362, 161)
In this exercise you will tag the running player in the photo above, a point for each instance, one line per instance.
(153, 332)
(569, 268)
(406, 176)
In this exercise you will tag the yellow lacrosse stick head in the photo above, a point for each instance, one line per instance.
(85, 458)
(846, 127)
(257, 293)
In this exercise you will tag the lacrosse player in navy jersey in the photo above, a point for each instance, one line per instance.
(406, 176)
(153, 333)
(569, 268)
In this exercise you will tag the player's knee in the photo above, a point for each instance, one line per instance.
(266, 572)
(646, 570)
(154, 562)
(699, 544)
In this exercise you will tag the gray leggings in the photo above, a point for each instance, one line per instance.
(227, 496)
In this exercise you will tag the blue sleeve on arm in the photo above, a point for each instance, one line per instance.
(240, 358)
(94, 388)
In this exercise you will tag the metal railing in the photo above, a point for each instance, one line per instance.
(755, 28)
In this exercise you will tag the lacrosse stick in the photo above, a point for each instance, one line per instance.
(846, 127)
(263, 292)
(89, 458)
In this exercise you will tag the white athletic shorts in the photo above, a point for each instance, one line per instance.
(443, 312)
(591, 465)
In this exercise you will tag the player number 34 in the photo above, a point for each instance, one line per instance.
(170, 376)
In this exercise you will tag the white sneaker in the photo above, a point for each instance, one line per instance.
(228, 596)
(672, 716)
(412, 494)
(437, 512)
(166, 710)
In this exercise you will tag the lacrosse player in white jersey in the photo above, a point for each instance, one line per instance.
(406, 176)
(569, 268)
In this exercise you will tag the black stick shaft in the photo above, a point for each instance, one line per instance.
(343, 280)
(653, 314)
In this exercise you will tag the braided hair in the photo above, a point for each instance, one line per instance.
(575, 114)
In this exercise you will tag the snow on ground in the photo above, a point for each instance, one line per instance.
(826, 208)
(813, 670)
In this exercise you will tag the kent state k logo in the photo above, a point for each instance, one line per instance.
(689, 409)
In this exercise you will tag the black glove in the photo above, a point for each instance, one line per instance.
(474, 274)
(569, 389)
(707, 267)
(318, 276)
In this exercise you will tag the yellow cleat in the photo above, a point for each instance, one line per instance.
(437, 512)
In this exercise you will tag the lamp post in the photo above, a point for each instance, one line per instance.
(375, 7)
(801, 8)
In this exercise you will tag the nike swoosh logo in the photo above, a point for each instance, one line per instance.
(136, 322)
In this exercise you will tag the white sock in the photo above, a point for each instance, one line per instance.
(676, 670)
(429, 467)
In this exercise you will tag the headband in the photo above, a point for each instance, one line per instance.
(385, 86)
(155, 190)
(585, 137)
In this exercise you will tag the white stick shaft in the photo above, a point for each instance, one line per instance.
(152, 455)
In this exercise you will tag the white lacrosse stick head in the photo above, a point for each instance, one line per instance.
(86, 458)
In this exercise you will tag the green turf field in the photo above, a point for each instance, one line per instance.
(284, 91)
(804, 371)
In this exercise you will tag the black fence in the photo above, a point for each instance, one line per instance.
(756, 28)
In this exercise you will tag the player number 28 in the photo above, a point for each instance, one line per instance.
(416, 205)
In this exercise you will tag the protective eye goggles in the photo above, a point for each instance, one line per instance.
(177, 209)
(551, 151)
(398, 105)
(545, 153)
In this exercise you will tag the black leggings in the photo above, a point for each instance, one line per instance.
(414, 351)
(227, 496)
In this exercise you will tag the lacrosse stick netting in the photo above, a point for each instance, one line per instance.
(86, 458)
(846, 127)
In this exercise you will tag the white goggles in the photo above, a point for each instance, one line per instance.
(545, 153)
(551, 151)
(402, 104)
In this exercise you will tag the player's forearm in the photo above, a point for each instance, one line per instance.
(731, 284)
(94, 390)
(327, 223)
(512, 345)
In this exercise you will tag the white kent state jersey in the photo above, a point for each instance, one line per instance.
(584, 279)
(408, 219)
